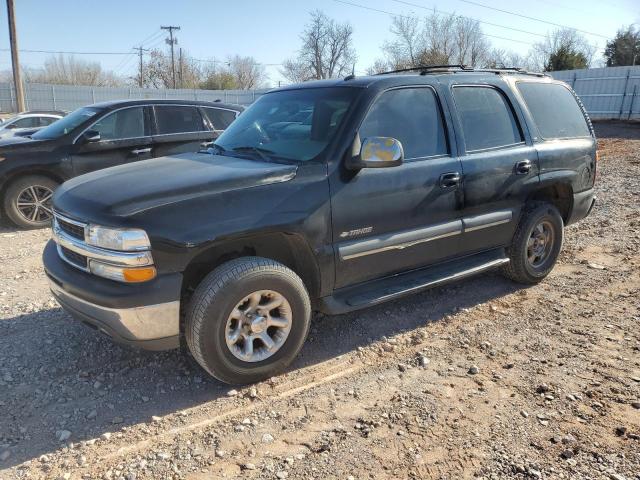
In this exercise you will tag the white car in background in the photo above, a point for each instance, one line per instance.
(28, 122)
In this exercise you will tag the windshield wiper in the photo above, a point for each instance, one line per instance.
(215, 149)
(262, 152)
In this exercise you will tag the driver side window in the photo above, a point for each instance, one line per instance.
(122, 124)
(412, 116)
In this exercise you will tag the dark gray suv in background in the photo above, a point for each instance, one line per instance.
(100, 136)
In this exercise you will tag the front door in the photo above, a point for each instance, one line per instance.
(389, 220)
(123, 139)
(499, 163)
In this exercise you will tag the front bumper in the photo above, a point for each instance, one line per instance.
(143, 315)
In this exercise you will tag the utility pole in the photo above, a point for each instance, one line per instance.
(171, 41)
(140, 50)
(180, 67)
(15, 61)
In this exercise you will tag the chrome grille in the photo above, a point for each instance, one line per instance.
(70, 227)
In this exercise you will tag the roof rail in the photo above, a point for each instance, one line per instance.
(425, 69)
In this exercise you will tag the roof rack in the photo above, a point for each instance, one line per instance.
(427, 69)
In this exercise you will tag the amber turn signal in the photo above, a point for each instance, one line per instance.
(138, 274)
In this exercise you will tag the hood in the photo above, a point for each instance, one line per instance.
(129, 189)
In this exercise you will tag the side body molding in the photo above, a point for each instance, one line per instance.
(409, 238)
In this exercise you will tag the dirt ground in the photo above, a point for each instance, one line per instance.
(481, 379)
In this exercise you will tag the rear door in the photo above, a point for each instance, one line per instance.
(499, 163)
(179, 129)
(124, 138)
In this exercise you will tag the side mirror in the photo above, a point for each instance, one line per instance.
(91, 136)
(376, 152)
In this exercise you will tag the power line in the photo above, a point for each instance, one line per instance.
(406, 16)
(470, 18)
(482, 5)
(69, 52)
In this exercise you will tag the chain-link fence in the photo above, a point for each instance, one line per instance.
(69, 97)
(607, 93)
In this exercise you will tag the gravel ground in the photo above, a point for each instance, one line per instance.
(481, 379)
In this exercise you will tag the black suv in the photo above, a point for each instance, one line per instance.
(100, 136)
(332, 196)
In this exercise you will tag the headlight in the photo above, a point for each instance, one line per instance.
(124, 240)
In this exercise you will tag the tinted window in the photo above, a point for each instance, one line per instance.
(219, 118)
(555, 110)
(126, 123)
(176, 119)
(411, 115)
(27, 122)
(487, 118)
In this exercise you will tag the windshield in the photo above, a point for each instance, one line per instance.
(291, 124)
(65, 124)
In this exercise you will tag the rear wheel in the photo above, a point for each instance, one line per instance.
(27, 201)
(536, 244)
(247, 320)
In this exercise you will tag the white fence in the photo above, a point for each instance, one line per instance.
(607, 93)
(69, 97)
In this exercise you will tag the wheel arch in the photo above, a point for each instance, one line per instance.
(558, 194)
(11, 177)
(290, 249)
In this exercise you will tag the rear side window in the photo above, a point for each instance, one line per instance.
(555, 110)
(178, 119)
(411, 115)
(487, 118)
(219, 118)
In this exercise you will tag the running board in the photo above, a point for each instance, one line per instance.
(399, 285)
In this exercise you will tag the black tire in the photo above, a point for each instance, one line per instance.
(212, 304)
(520, 268)
(21, 217)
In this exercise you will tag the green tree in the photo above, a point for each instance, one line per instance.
(566, 58)
(624, 49)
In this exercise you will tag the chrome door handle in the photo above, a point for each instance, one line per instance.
(523, 167)
(139, 151)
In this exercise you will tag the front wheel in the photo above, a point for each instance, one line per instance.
(27, 201)
(247, 320)
(536, 244)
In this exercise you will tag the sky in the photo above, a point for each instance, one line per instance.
(269, 31)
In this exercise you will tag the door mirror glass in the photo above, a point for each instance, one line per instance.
(378, 152)
(91, 136)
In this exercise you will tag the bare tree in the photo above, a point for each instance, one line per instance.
(562, 49)
(437, 39)
(157, 71)
(246, 72)
(68, 70)
(327, 50)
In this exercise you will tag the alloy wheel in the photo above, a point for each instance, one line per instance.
(540, 243)
(34, 203)
(258, 326)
